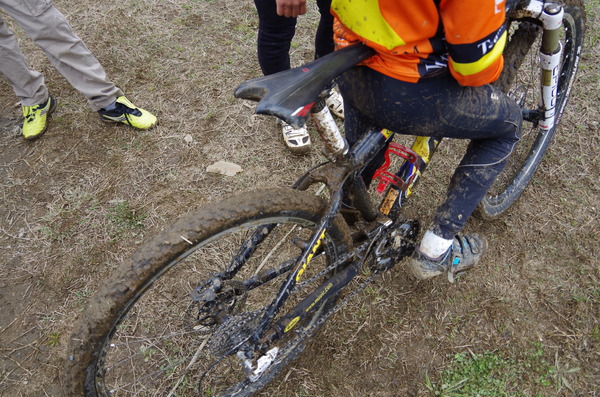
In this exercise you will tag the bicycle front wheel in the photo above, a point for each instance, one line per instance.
(521, 79)
(148, 332)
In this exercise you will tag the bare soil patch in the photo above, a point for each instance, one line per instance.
(83, 197)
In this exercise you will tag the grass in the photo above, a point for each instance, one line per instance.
(53, 339)
(125, 219)
(592, 34)
(498, 374)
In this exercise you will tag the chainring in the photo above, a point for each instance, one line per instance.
(397, 243)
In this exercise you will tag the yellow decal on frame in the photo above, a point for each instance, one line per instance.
(310, 256)
(292, 324)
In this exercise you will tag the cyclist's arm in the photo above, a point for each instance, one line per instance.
(291, 8)
(475, 37)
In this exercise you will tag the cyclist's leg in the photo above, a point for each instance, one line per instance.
(492, 121)
(440, 107)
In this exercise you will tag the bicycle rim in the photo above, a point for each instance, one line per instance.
(161, 341)
(520, 80)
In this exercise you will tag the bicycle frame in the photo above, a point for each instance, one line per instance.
(399, 186)
(334, 175)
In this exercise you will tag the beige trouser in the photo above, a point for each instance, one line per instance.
(51, 31)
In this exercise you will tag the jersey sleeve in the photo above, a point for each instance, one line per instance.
(475, 35)
(342, 36)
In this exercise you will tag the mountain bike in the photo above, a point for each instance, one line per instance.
(228, 296)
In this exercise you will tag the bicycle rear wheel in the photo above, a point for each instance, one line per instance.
(520, 79)
(147, 333)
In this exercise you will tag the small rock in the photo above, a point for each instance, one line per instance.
(224, 168)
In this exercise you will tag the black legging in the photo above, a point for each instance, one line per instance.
(437, 107)
(275, 34)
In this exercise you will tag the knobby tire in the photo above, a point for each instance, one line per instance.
(141, 333)
(520, 79)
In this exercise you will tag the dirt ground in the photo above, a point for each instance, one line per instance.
(84, 196)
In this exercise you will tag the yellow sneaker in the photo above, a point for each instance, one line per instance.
(36, 117)
(127, 113)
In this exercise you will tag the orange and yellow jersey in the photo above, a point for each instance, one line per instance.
(415, 38)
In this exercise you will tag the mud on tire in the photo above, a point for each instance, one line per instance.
(140, 333)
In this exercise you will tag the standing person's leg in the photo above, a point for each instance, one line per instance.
(275, 34)
(28, 84)
(51, 31)
(324, 45)
(324, 36)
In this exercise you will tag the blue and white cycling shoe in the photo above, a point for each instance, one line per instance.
(465, 252)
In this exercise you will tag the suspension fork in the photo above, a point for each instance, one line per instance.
(551, 17)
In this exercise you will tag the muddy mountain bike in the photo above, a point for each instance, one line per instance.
(224, 299)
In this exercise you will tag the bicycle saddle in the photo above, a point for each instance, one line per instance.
(289, 95)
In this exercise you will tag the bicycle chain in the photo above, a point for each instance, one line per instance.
(238, 328)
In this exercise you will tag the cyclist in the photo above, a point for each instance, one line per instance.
(430, 76)
(276, 28)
